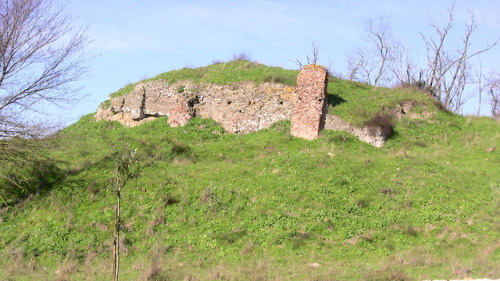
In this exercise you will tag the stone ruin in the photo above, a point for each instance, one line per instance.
(308, 116)
(239, 108)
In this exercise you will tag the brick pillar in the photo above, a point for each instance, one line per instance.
(308, 116)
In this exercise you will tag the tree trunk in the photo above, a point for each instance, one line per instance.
(116, 242)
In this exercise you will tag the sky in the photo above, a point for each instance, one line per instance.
(133, 40)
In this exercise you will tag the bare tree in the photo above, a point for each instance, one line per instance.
(448, 69)
(482, 84)
(356, 63)
(403, 68)
(494, 95)
(447, 73)
(379, 33)
(372, 64)
(41, 54)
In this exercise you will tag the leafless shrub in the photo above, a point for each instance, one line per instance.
(387, 191)
(311, 58)
(241, 56)
(16, 260)
(382, 121)
(91, 256)
(206, 195)
(155, 270)
(387, 275)
(67, 266)
(249, 247)
(218, 273)
(460, 270)
(362, 203)
(411, 231)
(356, 66)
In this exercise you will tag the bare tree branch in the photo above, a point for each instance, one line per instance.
(403, 68)
(380, 34)
(493, 85)
(312, 58)
(355, 63)
(372, 64)
(41, 54)
(447, 73)
(448, 70)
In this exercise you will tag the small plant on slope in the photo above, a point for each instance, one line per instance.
(125, 170)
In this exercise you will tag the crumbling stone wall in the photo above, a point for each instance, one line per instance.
(181, 113)
(372, 135)
(243, 107)
(239, 108)
(308, 117)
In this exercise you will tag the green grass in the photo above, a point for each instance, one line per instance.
(266, 205)
(227, 73)
(358, 102)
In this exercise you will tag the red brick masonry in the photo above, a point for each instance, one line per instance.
(308, 116)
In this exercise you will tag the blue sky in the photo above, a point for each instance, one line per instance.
(134, 40)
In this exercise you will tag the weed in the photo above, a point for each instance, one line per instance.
(411, 231)
(461, 271)
(248, 249)
(181, 89)
(207, 196)
(154, 271)
(67, 266)
(495, 190)
(362, 203)
(387, 191)
(442, 107)
(180, 149)
(387, 275)
(231, 236)
(90, 257)
(16, 260)
(272, 78)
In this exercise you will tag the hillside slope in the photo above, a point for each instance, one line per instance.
(264, 206)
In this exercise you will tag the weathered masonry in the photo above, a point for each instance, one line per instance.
(308, 116)
(239, 108)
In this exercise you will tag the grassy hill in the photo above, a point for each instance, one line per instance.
(263, 206)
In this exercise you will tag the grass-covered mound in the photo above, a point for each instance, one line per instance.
(266, 206)
(224, 74)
